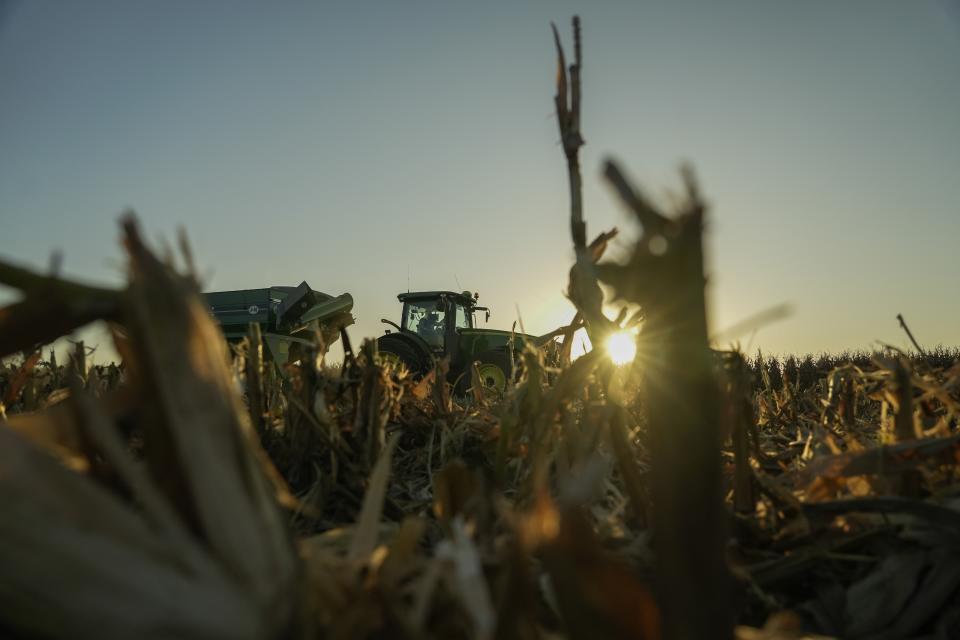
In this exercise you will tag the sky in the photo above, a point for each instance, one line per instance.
(368, 147)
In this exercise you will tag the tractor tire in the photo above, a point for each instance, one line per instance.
(396, 349)
(494, 368)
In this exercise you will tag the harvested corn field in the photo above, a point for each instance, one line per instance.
(154, 498)
(198, 488)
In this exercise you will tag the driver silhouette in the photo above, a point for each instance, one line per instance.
(430, 328)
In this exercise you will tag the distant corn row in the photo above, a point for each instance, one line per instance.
(806, 370)
(801, 371)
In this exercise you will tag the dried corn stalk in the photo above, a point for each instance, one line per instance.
(187, 543)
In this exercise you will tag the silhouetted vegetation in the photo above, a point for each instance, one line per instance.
(806, 371)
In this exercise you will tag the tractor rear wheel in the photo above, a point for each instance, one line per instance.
(397, 351)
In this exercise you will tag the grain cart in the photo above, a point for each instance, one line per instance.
(288, 317)
(436, 324)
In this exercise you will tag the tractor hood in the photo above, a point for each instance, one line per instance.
(479, 340)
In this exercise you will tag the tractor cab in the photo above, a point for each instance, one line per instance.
(436, 317)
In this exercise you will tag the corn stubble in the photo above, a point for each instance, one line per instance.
(187, 541)
(695, 494)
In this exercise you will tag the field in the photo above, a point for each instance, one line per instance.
(697, 492)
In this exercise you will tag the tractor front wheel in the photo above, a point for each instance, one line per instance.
(494, 369)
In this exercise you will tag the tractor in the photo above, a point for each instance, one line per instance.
(442, 324)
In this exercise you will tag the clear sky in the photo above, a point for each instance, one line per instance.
(349, 144)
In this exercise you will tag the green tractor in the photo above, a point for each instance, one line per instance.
(438, 324)
(288, 317)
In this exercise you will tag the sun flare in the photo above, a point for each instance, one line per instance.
(622, 347)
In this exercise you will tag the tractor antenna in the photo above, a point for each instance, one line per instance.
(459, 288)
(519, 318)
(408, 277)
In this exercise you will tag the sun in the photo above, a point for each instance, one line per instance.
(622, 347)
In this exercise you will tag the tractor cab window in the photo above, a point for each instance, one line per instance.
(426, 318)
(464, 317)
